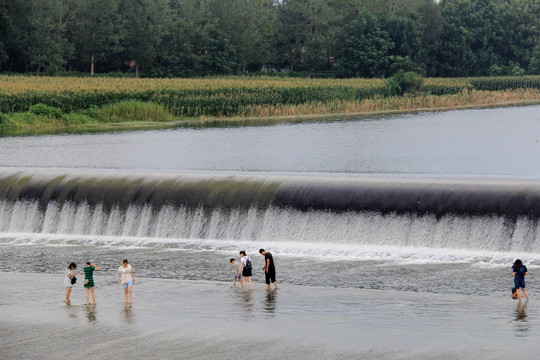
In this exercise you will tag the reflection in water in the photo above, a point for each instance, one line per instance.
(270, 304)
(129, 317)
(245, 301)
(522, 325)
(72, 314)
(91, 313)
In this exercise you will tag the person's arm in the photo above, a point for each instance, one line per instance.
(119, 275)
(267, 264)
(132, 276)
(96, 268)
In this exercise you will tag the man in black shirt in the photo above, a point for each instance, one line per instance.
(269, 268)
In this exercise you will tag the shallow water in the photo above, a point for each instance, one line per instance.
(319, 271)
(207, 320)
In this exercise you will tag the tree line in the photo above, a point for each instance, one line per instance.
(335, 38)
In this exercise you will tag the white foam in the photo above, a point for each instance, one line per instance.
(349, 235)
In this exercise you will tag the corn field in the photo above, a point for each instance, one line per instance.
(226, 96)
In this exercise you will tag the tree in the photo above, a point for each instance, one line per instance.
(517, 28)
(366, 48)
(292, 33)
(97, 30)
(4, 23)
(43, 36)
(407, 53)
(467, 46)
(146, 22)
(534, 65)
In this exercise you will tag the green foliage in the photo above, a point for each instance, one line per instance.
(366, 48)
(4, 118)
(405, 83)
(46, 110)
(349, 38)
(131, 111)
(513, 69)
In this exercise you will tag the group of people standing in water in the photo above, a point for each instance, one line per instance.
(244, 271)
(125, 278)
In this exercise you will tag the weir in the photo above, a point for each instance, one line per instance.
(495, 215)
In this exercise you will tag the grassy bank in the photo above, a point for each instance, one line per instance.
(34, 104)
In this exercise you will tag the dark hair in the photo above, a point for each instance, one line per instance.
(243, 252)
(88, 263)
(72, 265)
(231, 260)
(517, 265)
(125, 261)
(261, 251)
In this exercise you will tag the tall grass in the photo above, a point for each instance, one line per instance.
(131, 110)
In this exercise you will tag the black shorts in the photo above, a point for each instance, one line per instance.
(270, 276)
(246, 272)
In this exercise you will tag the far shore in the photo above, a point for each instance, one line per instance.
(294, 116)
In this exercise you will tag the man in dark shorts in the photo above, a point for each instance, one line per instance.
(269, 268)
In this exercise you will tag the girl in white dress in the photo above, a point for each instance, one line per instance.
(126, 278)
(69, 273)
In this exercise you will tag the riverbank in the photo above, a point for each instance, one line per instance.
(31, 105)
(260, 115)
(210, 320)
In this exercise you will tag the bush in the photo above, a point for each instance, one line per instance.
(46, 110)
(405, 82)
(131, 111)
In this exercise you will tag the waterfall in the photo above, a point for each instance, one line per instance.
(315, 213)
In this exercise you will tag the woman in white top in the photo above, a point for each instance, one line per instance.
(246, 270)
(70, 272)
(126, 278)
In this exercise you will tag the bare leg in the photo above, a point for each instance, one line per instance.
(525, 294)
(268, 285)
(88, 296)
(68, 293)
(234, 283)
(250, 283)
(94, 296)
(243, 281)
(275, 285)
(129, 293)
(126, 294)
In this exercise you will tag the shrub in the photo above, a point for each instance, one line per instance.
(132, 111)
(3, 118)
(405, 82)
(46, 110)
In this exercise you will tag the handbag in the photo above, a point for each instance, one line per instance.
(73, 280)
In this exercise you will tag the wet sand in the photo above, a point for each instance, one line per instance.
(210, 320)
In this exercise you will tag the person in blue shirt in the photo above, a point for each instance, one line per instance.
(519, 271)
